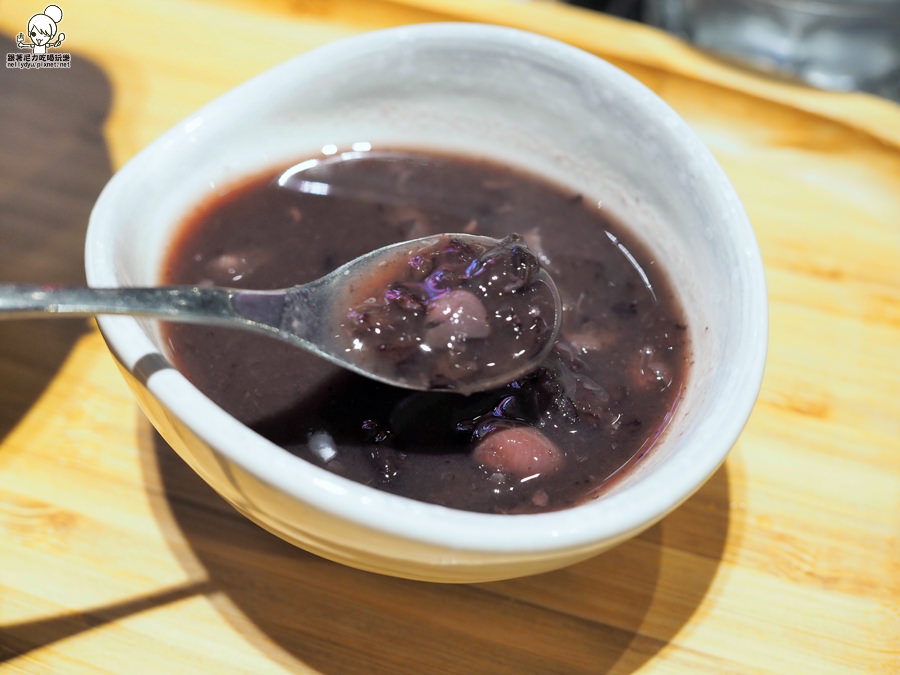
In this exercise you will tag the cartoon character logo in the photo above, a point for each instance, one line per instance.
(41, 29)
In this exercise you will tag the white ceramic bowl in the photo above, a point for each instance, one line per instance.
(509, 95)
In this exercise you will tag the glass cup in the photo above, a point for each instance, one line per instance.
(830, 44)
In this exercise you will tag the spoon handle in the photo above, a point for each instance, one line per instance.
(189, 304)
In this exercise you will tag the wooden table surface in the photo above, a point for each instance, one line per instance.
(115, 557)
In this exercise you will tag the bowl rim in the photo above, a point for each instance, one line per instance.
(611, 518)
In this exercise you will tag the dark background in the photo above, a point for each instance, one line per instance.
(629, 9)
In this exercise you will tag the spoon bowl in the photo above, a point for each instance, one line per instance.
(333, 316)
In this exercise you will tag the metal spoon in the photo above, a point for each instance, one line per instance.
(310, 316)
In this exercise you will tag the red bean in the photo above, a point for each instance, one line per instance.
(234, 266)
(648, 371)
(518, 451)
(592, 339)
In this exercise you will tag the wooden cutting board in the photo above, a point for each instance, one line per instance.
(115, 557)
